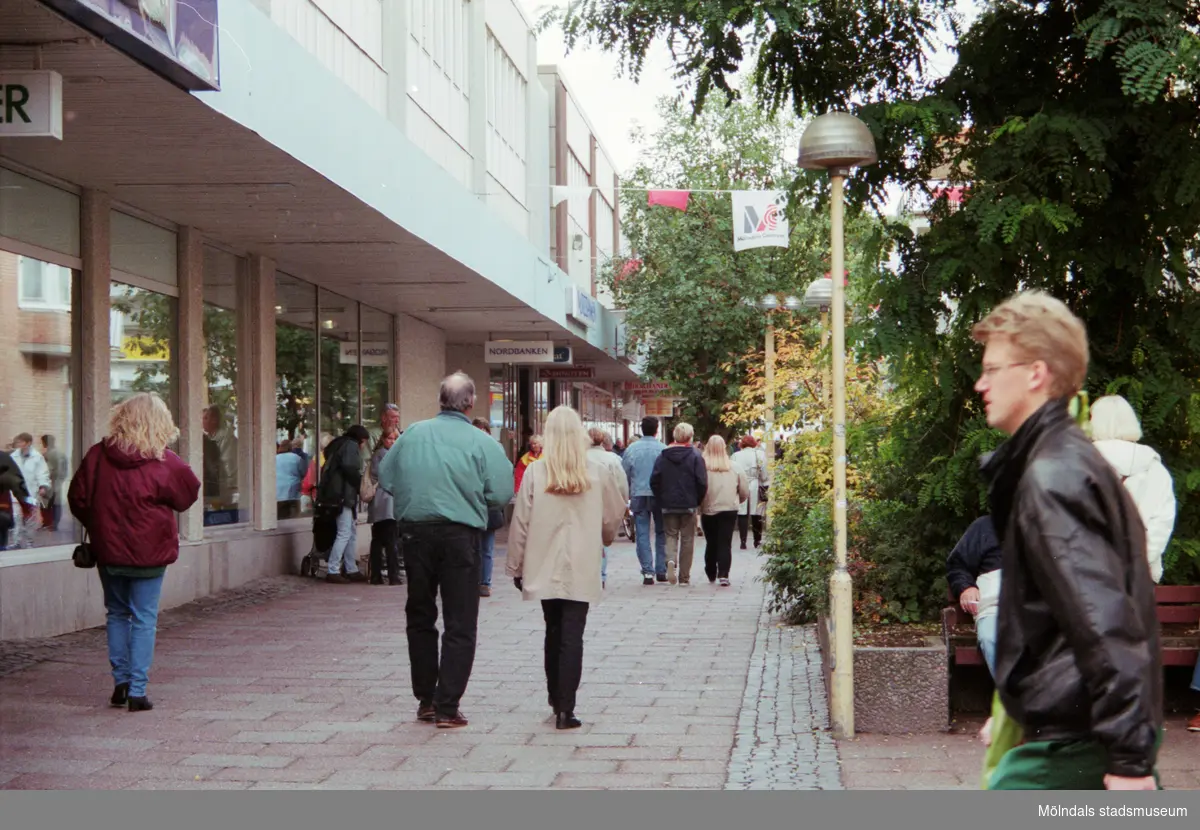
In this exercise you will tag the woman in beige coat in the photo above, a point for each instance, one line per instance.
(728, 487)
(568, 508)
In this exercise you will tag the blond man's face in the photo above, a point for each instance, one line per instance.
(1008, 385)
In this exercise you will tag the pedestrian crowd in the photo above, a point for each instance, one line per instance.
(1059, 575)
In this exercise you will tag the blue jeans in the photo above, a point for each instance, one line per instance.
(345, 544)
(985, 634)
(487, 549)
(644, 509)
(132, 605)
(603, 565)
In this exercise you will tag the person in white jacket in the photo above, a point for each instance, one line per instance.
(37, 479)
(1116, 433)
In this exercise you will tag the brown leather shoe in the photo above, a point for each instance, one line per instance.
(485, 590)
(425, 712)
(337, 579)
(456, 721)
(357, 576)
(1194, 724)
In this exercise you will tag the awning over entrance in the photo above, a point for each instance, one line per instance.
(242, 166)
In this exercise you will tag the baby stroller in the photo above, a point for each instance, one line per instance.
(324, 532)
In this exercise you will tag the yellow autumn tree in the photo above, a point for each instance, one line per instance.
(800, 540)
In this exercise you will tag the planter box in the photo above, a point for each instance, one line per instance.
(896, 690)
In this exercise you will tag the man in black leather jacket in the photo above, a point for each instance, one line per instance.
(1077, 663)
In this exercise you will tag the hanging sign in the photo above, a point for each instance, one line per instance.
(573, 373)
(31, 104)
(759, 219)
(652, 388)
(659, 407)
(519, 351)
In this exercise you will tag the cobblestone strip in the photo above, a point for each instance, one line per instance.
(783, 740)
(18, 655)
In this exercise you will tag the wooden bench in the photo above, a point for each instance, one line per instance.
(1178, 608)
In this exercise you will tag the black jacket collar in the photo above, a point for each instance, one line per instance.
(1003, 468)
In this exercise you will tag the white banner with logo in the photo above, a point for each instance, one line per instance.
(759, 219)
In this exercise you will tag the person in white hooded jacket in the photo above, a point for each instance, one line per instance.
(1116, 433)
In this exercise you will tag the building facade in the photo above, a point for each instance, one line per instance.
(281, 216)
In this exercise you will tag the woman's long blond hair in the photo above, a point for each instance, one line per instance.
(142, 425)
(716, 459)
(565, 453)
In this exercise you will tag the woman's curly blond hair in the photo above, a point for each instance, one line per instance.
(142, 425)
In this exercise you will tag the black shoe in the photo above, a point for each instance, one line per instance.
(711, 580)
(426, 712)
(120, 695)
(396, 581)
(660, 577)
(140, 704)
(647, 580)
(375, 581)
(567, 720)
(357, 576)
(455, 721)
(743, 545)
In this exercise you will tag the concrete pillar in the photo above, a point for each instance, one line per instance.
(190, 365)
(477, 56)
(395, 60)
(260, 284)
(421, 362)
(95, 306)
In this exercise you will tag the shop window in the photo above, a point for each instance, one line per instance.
(375, 357)
(224, 482)
(339, 363)
(296, 435)
(38, 408)
(145, 323)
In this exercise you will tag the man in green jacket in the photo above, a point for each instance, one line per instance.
(444, 474)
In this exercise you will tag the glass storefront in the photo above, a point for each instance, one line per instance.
(334, 366)
(223, 483)
(339, 363)
(334, 362)
(39, 410)
(295, 393)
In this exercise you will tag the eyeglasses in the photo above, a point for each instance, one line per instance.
(990, 372)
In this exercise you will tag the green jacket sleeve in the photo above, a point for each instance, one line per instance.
(497, 475)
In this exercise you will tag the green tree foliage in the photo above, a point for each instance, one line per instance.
(685, 299)
(1073, 124)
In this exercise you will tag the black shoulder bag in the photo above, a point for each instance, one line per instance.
(84, 556)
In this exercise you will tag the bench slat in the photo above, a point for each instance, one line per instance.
(1176, 594)
(1178, 613)
(1180, 656)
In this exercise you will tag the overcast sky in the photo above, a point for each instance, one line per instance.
(615, 104)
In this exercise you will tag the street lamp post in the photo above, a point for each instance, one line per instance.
(770, 303)
(837, 141)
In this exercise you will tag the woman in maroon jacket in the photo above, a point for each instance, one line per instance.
(126, 494)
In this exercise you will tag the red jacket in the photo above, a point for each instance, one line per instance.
(128, 505)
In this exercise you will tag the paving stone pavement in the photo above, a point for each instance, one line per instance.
(18, 655)
(295, 684)
(783, 740)
(952, 761)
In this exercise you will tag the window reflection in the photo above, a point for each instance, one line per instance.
(295, 396)
(37, 405)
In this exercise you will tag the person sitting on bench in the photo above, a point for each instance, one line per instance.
(973, 573)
